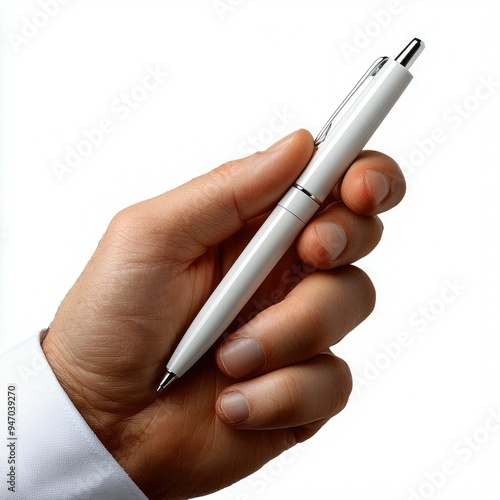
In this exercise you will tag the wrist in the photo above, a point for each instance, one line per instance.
(102, 415)
(69, 381)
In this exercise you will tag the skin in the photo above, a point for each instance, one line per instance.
(153, 269)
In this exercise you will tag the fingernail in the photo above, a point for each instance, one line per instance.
(378, 185)
(281, 144)
(242, 356)
(332, 237)
(235, 407)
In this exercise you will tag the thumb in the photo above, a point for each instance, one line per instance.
(212, 207)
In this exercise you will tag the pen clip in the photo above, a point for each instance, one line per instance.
(358, 89)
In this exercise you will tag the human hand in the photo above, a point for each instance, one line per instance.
(268, 385)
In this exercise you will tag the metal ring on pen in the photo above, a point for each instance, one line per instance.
(306, 192)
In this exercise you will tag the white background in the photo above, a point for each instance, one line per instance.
(231, 70)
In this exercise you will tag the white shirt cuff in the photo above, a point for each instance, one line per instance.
(48, 451)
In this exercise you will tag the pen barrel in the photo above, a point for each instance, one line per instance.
(351, 133)
(248, 272)
(342, 144)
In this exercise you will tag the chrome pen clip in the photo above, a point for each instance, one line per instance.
(357, 90)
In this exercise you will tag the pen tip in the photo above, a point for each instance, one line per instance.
(167, 379)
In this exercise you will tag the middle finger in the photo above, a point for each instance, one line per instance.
(337, 236)
(316, 314)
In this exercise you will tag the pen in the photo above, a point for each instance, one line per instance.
(338, 144)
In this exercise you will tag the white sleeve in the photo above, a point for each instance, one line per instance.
(47, 449)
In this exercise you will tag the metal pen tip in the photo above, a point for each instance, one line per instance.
(410, 53)
(167, 379)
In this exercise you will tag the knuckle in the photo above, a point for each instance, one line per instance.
(291, 407)
(369, 292)
(136, 235)
(345, 382)
(311, 320)
(341, 386)
(363, 290)
(124, 224)
(132, 226)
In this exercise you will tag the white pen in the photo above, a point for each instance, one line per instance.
(338, 144)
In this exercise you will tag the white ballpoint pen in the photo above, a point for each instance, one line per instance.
(338, 144)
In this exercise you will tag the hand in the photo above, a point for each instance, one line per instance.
(271, 383)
